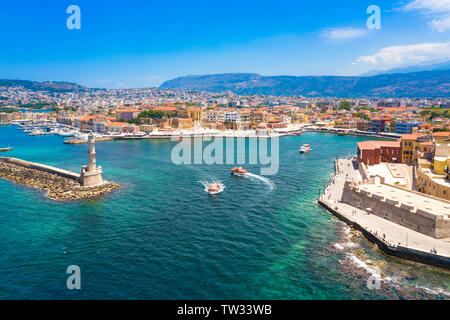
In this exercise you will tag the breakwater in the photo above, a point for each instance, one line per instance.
(60, 184)
(81, 141)
(349, 132)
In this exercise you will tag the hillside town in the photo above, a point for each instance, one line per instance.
(420, 127)
(132, 111)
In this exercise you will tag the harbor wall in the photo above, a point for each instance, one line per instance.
(419, 220)
(396, 251)
(42, 167)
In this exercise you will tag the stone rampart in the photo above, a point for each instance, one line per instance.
(402, 213)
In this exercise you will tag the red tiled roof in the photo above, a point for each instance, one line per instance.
(372, 145)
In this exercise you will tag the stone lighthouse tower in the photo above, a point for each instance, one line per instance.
(91, 175)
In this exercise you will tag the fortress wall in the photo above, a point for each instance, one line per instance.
(42, 167)
(385, 208)
(362, 170)
(443, 227)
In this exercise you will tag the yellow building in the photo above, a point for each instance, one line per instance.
(195, 114)
(434, 180)
(439, 165)
(441, 157)
(433, 184)
(410, 148)
(442, 137)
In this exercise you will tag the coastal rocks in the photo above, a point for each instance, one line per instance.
(363, 260)
(58, 188)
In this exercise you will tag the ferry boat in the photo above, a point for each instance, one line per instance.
(215, 188)
(238, 171)
(305, 148)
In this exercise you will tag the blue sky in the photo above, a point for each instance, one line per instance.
(143, 43)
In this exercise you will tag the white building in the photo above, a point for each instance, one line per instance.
(232, 116)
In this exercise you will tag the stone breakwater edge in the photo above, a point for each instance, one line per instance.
(398, 279)
(57, 187)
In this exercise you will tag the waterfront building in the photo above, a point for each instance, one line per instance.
(87, 123)
(100, 126)
(147, 128)
(182, 123)
(195, 114)
(116, 127)
(410, 146)
(363, 125)
(379, 124)
(406, 127)
(127, 114)
(374, 152)
(232, 116)
(5, 117)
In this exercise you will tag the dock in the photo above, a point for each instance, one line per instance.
(390, 237)
(78, 141)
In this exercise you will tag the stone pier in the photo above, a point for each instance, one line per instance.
(60, 184)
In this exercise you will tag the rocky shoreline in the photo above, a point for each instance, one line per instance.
(57, 187)
(398, 279)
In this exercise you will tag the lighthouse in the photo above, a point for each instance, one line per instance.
(91, 175)
(91, 153)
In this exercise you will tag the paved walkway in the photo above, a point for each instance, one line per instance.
(390, 232)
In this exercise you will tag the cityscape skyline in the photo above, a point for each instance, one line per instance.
(147, 43)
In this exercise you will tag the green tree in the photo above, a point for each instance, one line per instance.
(345, 104)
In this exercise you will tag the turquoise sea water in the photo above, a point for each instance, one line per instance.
(160, 236)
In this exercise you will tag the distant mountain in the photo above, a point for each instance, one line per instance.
(415, 84)
(52, 86)
(416, 68)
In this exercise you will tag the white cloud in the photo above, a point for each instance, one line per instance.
(402, 56)
(440, 24)
(439, 9)
(432, 5)
(343, 33)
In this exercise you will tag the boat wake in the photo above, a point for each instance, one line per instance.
(260, 178)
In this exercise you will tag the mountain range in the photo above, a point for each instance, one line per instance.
(51, 86)
(429, 66)
(434, 83)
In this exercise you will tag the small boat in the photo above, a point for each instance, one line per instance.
(238, 171)
(215, 188)
(305, 148)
